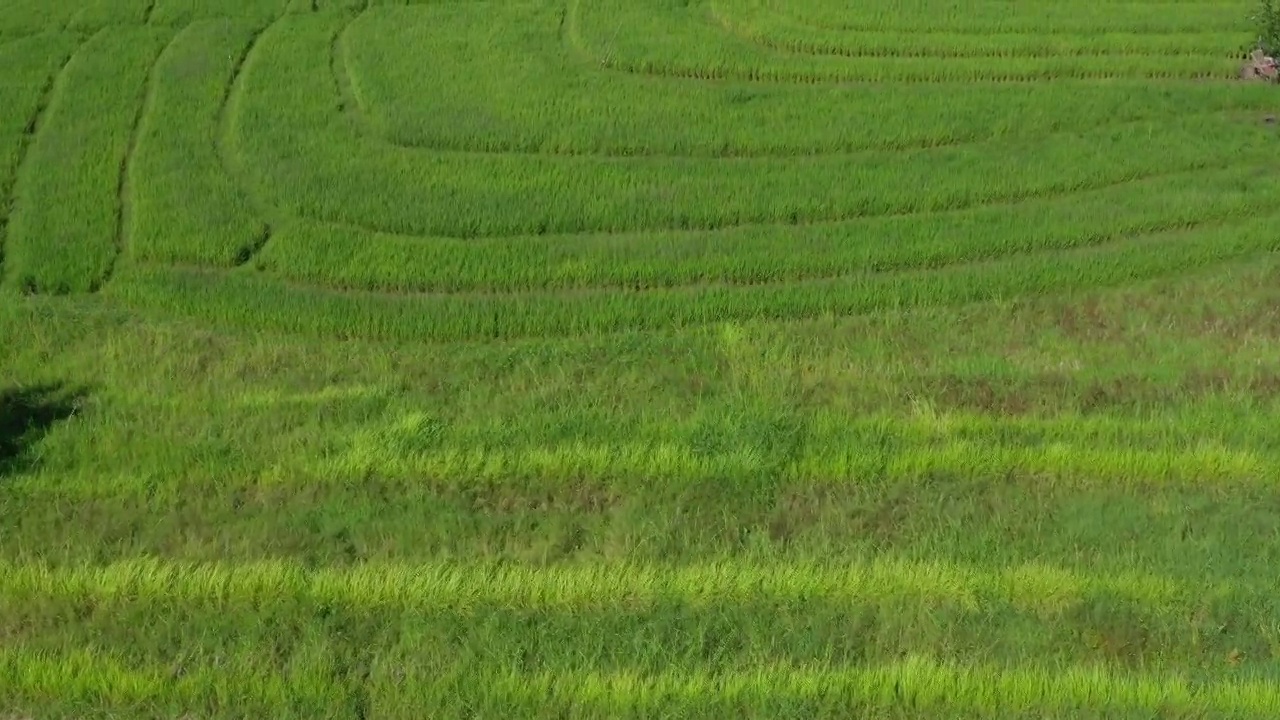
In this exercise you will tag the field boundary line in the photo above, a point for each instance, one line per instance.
(124, 184)
(34, 123)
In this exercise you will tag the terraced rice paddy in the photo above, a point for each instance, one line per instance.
(602, 359)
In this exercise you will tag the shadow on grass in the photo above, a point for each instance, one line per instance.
(26, 414)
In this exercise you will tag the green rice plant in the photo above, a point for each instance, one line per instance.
(680, 43)
(64, 233)
(185, 207)
(351, 258)
(914, 685)
(1058, 462)
(500, 87)
(28, 17)
(254, 473)
(297, 158)
(88, 680)
(31, 65)
(93, 679)
(247, 302)
(180, 12)
(567, 620)
(773, 29)
(97, 14)
(730, 358)
(404, 588)
(992, 16)
(308, 6)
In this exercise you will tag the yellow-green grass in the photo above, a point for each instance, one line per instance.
(586, 358)
(318, 683)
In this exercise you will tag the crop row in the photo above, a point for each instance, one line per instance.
(286, 112)
(238, 300)
(972, 460)
(322, 679)
(714, 619)
(772, 30)
(995, 16)
(403, 457)
(683, 43)
(65, 230)
(906, 688)
(351, 258)
(34, 16)
(30, 65)
(186, 206)
(500, 85)
(388, 586)
(670, 465)
(182, 124)
(769, 450)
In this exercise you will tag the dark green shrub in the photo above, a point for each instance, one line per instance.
(1267, 21)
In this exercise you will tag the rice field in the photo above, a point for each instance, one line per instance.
(600, 359)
